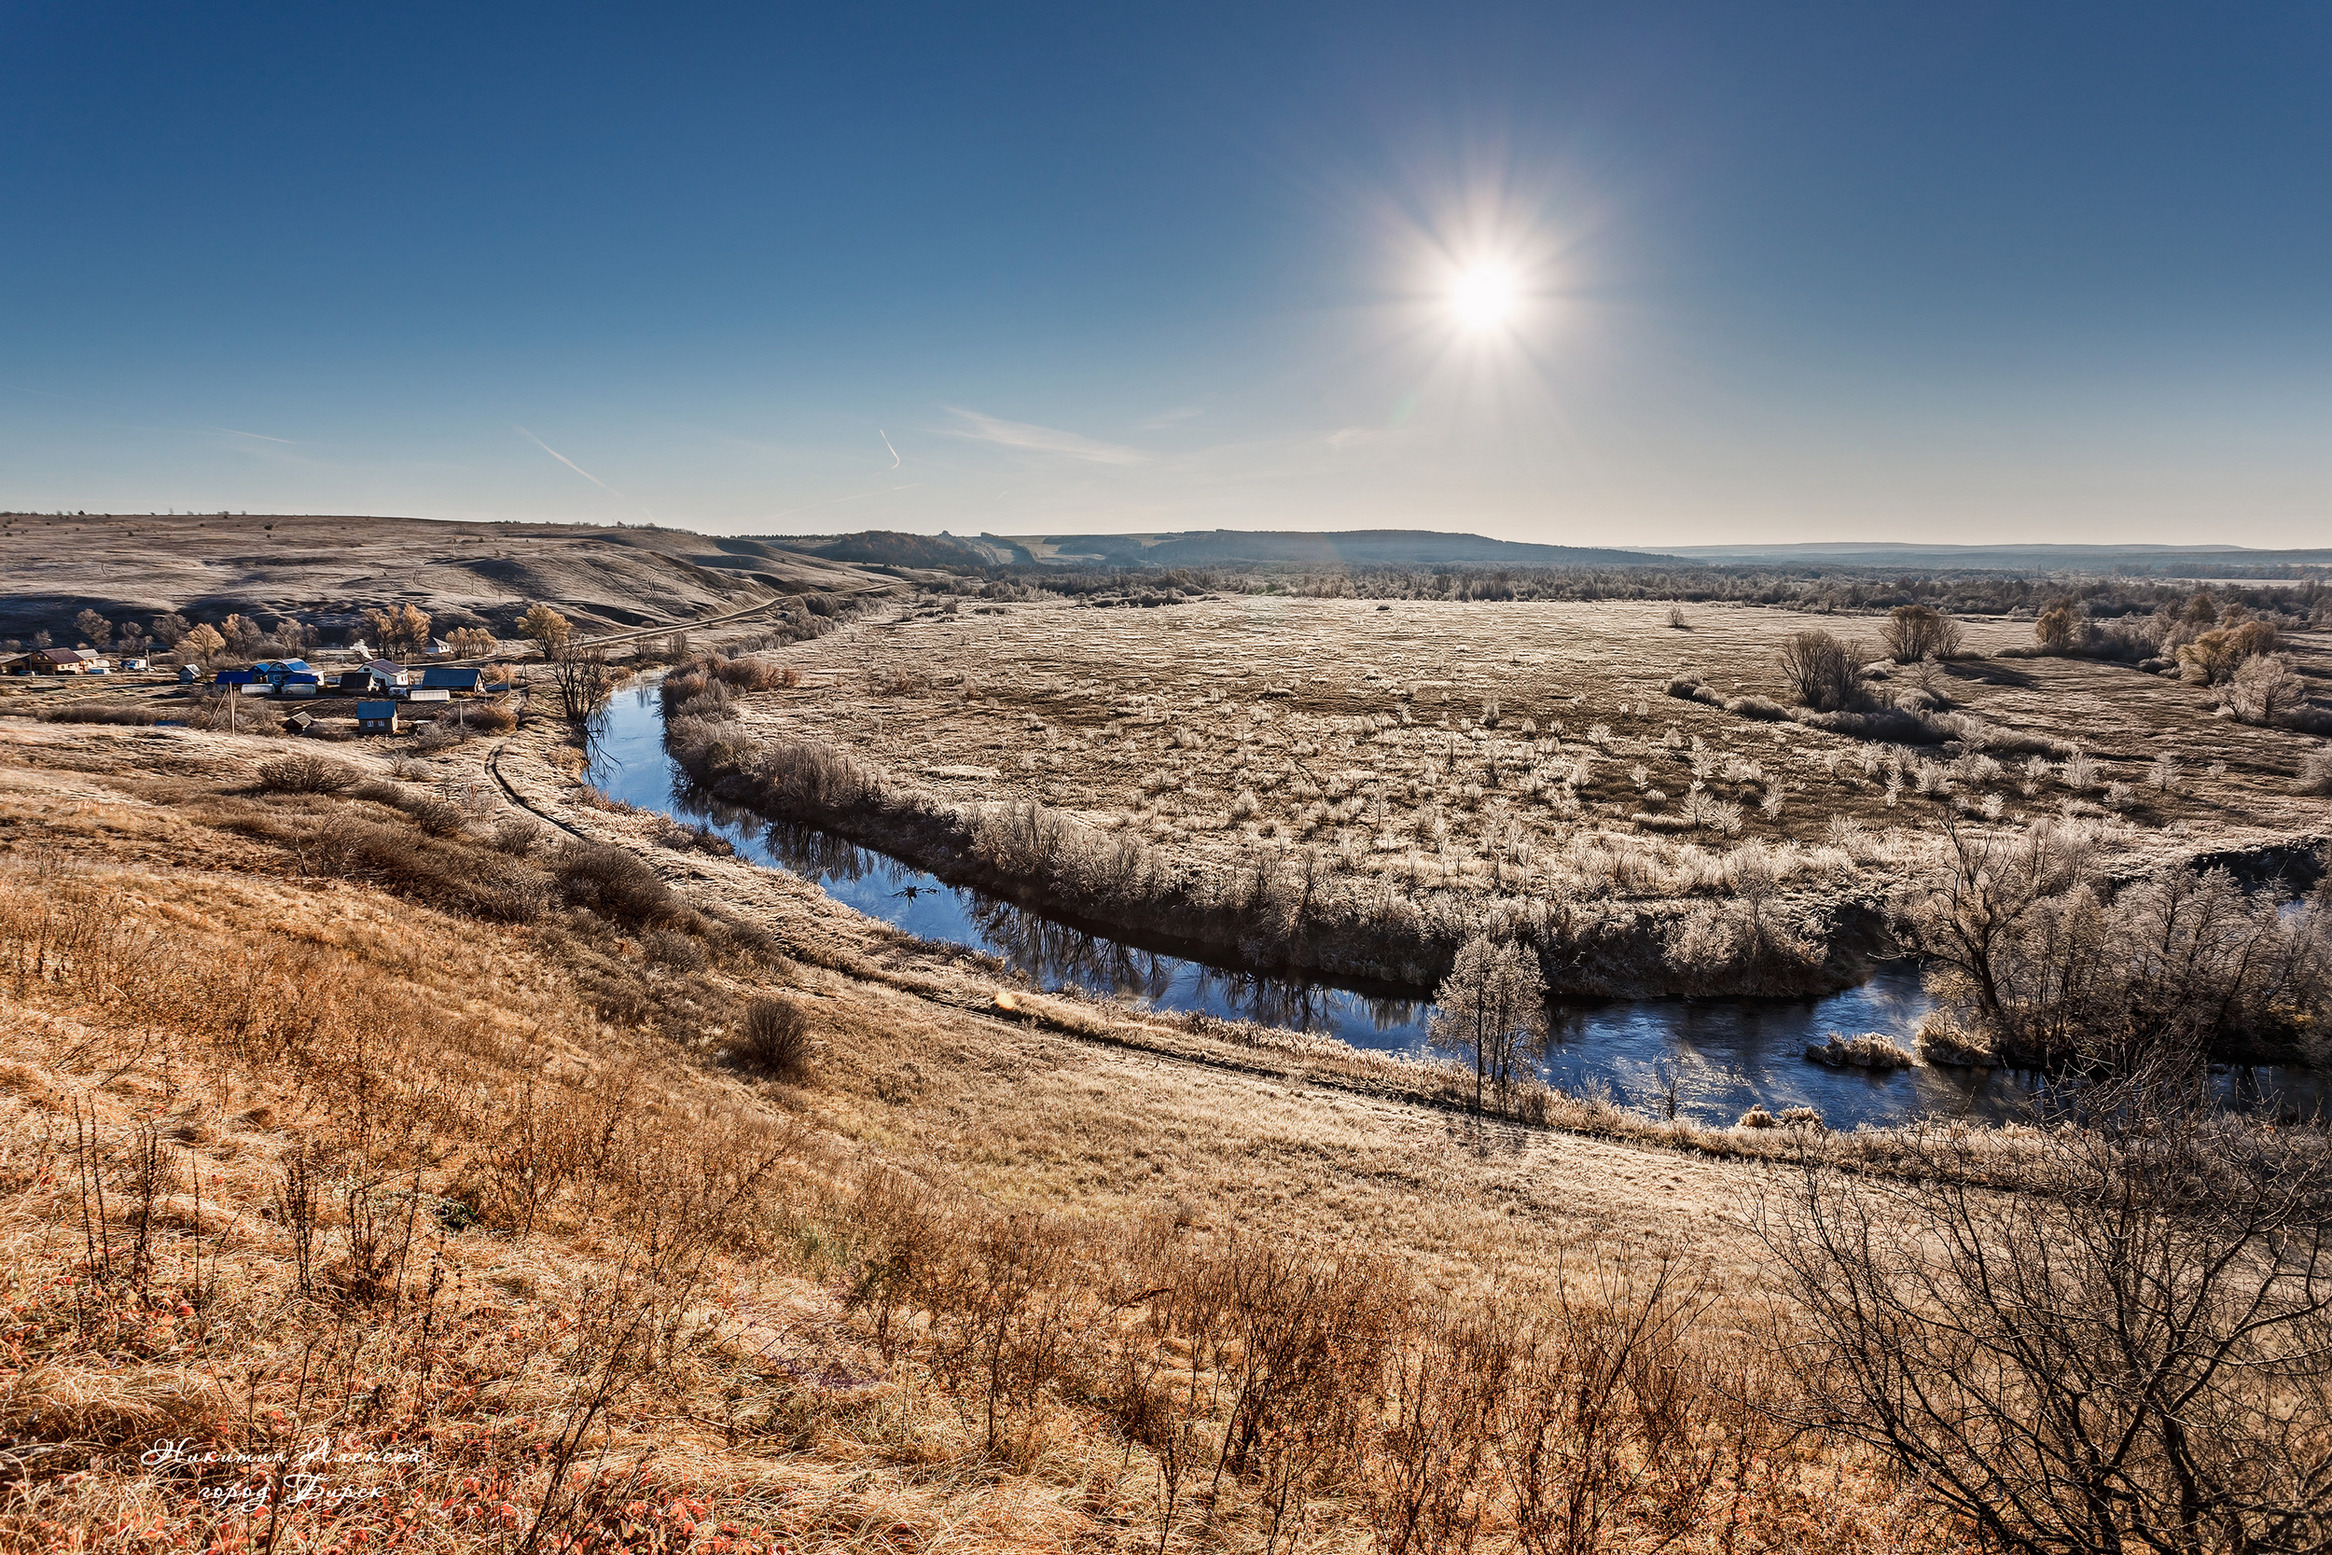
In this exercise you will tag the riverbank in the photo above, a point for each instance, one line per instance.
(1710, 1061)
(840, 948)
(1279, 910)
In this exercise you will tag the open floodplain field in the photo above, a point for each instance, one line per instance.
(1404, 771)
(593, 1187)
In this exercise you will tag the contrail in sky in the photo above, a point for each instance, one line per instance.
(569, 463)
(886, 437)
(579, 470)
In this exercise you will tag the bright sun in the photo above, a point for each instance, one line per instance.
(1484, 295)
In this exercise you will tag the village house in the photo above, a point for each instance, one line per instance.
(377, 718)
(444, 677)
(54, 661)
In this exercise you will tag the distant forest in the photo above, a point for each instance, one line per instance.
(2104, 582)
(1817, 590)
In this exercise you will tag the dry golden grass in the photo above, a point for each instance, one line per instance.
(545, 1229)
(1412, 769)
(1162, 718)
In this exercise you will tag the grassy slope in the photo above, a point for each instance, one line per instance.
(218, 1005)
(328, 569)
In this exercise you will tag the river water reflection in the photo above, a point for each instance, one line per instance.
(1719, 1056)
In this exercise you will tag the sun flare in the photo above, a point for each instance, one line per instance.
(1485, 295)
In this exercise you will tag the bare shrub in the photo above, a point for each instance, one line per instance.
(2135, 1352)
(1565, 1424)
(90, 712)
(1915, 632)
(493, 717)
(1871, 1050)
(2316, 771)
(2213, 658)
(440, 735)
(518, 835)
(304, 772)
(774, 1039)
(2031, 959)
(448, 872)
(813, 776)
(1678, 620)
(612, 882)
(2264, 689)
(1823, 672)
(749, 674)
(437, 815)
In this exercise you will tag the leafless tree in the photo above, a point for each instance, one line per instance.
(1490, 1006)
(401, 630)
(2030, 954)
(2132, 1350)
(2264, 689)
(584, 679)
(545, 628)
(1823, 672)
(2062, 627)
(1915, 632)
(94, 628)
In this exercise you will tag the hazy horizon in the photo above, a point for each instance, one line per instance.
(1639, 277)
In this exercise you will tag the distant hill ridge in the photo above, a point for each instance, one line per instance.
(1214, 547)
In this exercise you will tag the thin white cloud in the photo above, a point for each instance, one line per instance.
(1166, 418)
(1042, 440)
(262, 436)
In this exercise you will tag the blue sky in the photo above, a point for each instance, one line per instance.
(1789, 272)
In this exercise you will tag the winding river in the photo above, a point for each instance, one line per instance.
(1721, 1056)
